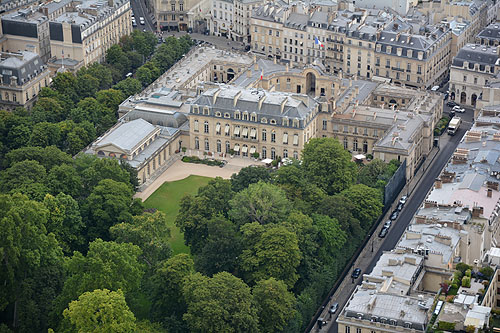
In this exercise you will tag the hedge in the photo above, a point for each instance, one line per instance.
(196, 160)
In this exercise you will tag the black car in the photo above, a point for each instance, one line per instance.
(394, 215)
(247, 48)
(383, 232)
(356, 273)
(451, 104)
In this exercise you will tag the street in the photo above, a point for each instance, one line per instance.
(418, 189)
(139, 9)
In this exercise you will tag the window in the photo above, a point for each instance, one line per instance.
(217, 129)
(347, 329)
(296, 155)
(285, 138)
(355, 145)
(173, 7)
(345, 143)
(273, 136)
(358, 330)
(227, 129)
(408, 67)
(237, 115)
(196, 129)
(237, 132)
(244, 132)
(465, 78)
(270, 32)
(285, 153)
(244, 150)
(325, 124)
(355, 131)
(419, 69)
(375, 134)
(228, 147)
(181, 7)
(346, 128)
(264, 152)
(196, 143)
(273, 153)
(207, 145)
(475, 80)
(205, 127)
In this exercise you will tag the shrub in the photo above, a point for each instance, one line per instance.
(468, 273)
(487, 271)
(184, 149)
(470, 329)
(255, 155)
(466, 282)
(462, 267)
(444, 325)
(450, 298)
(369, 156)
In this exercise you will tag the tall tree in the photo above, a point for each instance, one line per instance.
(270, 251)
(368, 203)
(222, 303)
(331, 238)
(260, 202)
(275, 305)
(328, 165)
(21, 175)
(109, 203)
(249, 175)
(148, 231)
(64, 179)
(168, 281)
(101, 310)
(129, 86)
(86, 85)
(49, 157)
(45, 134)
(29, 255)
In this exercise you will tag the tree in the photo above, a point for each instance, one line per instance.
(109, 204)
(79, 137)
(370, 173)
(65, 222)
(18, 136)
(91, 110)
(20, 175)
(65, 84)
(487, 271)
(260, 202)
(328, 165)
(107, 265)
(49, 157)
(129, 86)
(168, 281)
(195, 212)
(110, 98)
(86, 85)
(368, 203)
(30, 263)
(48, 109)
(222, 303)
(144, 75)
(93, 169)
(99, 71)
(331, 238)
(101, 310)
(45, 134)
(64, 179)
(463, 267)
(270, 251)
(249, 175)
(221, 247)
(275, 304)
(148, 231)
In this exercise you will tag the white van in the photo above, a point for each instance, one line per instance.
(435, 88)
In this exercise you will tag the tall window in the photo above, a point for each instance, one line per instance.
(345, 144)
(181, 7)
(173, 7)
(273, 153)
(217, 129)
(196, 143)
(205, 127)
(296, 155)
(355, 145)
(264, 152)
(285, 153)
(207, 145)
(273, 136)
(219, 146)
(228, 146)
(264, 135)
(325, 124)
(196, 126)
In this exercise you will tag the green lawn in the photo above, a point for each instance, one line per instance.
(166, 199)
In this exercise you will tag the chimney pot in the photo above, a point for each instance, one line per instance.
(489, 193)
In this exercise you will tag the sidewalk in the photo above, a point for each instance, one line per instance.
(364, 259)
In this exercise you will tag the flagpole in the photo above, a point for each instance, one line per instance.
(62, 52)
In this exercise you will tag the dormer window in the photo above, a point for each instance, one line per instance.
(245, 115)
(206, 111)
(263, 120)
(273, 121)
(227, 115)
(253, 117)
(196, 109)
(237, 115)
(218, 114)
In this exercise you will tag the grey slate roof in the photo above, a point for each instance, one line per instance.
(476, 54)
(23, 65)
(128, 135)
(297, 21)
(491, 32)
(269, 12)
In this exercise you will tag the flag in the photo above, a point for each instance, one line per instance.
(317, 42)
(62, 52)
(261, 74)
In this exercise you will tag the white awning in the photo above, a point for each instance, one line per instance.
(227, 129)
(237, 130)
(296, 139)
(285, 138)
(244, 149)
(217, 127)
(252, 150)
(253, 133)
(236, 147)
(360, 157)
(245, 131)
(267, 161)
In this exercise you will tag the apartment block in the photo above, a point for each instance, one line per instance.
(22, 76)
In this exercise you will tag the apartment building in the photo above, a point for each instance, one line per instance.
(23, 75)
(221, 19)
(26, 30)
(172, 15)
(490, 35)
(241, 19)
(473, 68)
(252, 122)
(418, 61)
(8, 6)
(267, 32)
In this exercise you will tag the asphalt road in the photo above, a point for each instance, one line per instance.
(448, 145)
(139, 10)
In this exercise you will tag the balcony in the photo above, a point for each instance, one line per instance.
(397, 69)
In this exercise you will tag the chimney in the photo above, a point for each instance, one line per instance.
(489, 193)
(477, 211)
(256, 66)
(249, 73)
(274, 60)
(438, 183)
(287, 67)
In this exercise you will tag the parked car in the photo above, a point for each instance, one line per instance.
(383, 232)
(451, 104)
(356, 273)
(394, 215)
(403, 199)
(134, 23)
(387, 224)
(457, 108)
(333, 308)
(399, 207)
(446, 95)
(141, 20)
